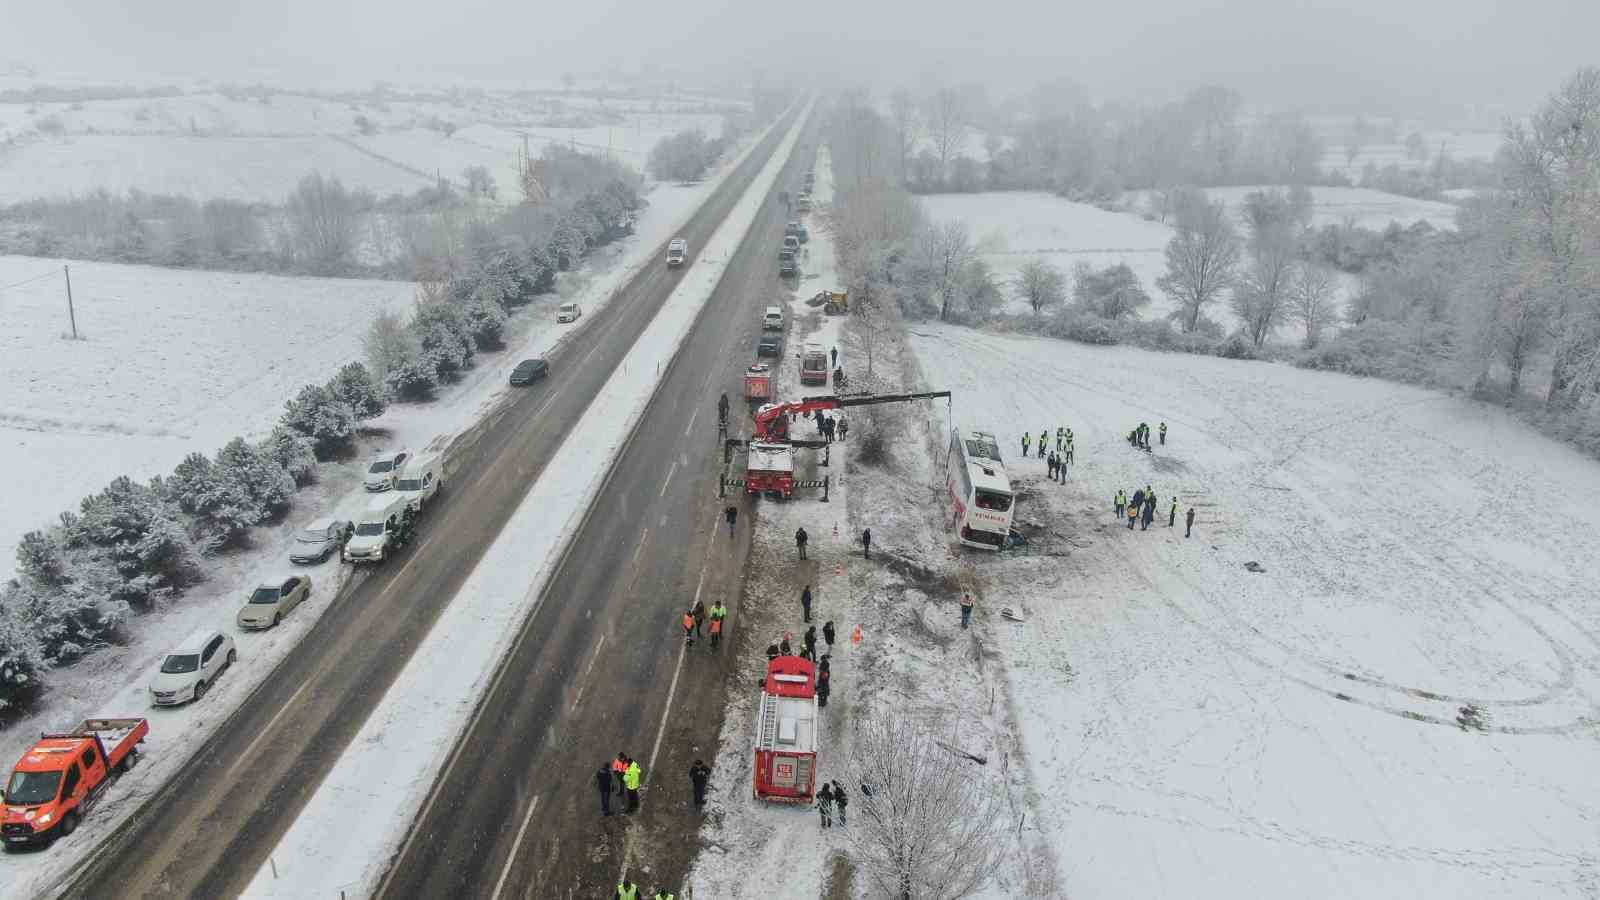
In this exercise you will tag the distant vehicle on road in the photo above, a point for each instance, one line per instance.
(677, 251)
(188, 671)
(384, 467)
(787, 264)
(804, 203)
(62, 775)
(772, 319)
(813, 364)
(791, 243)
(320, 540)
(769, 345)
(382, 524)
(528, 371)
(797, 230)
(568, 312)
(422, 479)
(269, 603)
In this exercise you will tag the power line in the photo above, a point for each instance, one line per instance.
(7, 287)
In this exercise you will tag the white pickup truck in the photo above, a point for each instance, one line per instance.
(677, 251)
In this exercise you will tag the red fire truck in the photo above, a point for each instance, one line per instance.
(786, 732)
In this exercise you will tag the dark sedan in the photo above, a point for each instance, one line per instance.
(528, 371)
(769, 345)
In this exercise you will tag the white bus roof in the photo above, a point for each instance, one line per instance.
(988, 476)
(984, 467)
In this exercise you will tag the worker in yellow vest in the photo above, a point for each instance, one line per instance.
(630, 780)
(627, 890)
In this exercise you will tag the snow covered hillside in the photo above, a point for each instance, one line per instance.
(1402, 703)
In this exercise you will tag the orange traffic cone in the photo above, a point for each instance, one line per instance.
(855, 636)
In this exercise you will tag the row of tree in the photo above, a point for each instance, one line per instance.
(133, 545)
(685, 156)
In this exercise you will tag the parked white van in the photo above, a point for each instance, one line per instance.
(421, 480)
(772, 320)
(568, 312)
(375, 528)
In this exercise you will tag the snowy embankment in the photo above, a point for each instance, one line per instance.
(112, 682)
(386, 772)
(913, 658)
(1402, 704)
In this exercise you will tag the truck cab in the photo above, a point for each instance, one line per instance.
(677, 252)
(57, 781)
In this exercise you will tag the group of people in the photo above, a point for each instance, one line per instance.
(1140, 509)
(801, 538)
(697, 616)
(808, 651)
(1140, 436)
(1062, 450)
(832, 795)
(628, 890)
(621, 775)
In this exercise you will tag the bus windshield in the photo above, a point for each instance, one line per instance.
(994, 500)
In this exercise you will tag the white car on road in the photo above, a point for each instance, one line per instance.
(192, 667)
(384, 467)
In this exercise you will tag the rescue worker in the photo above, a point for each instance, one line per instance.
(1044, 442)
(630, 780)
(699, 776)
(618, 767)
(809, 640)
(805, 602)
(841, 800)
(866, 543)
(602, 780)
(1051, 465)
(1163, 434)
(827, 634)
(844, 427)
(732, 515)
(1025, 445)
(718, 613)
(1061, 434)
(966, 609)
(1172, 517)
(836, 357)
(626, 890)
(1119, 501)
(688, 627)
(1188, 522)
(824, 687)
(1133, 515)
(699, 612)
(1149, 513)
(663, 894)
(772, 652)
(722, 409)
(800, 538)
(1069, 445)
(825, 805)
(783, 645)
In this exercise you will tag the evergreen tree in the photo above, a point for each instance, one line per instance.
(292, 451)
(355, 387)
(327, 421)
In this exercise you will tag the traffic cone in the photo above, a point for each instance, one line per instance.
(855, 636)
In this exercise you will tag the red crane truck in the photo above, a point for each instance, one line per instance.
(786, 732)
(57, 781)
(770, 464)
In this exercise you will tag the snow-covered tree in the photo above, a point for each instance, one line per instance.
(293, 451)
(1260, 298)
(1313, 301)
(389, 344)
(221, 505)
(257, 475)
(1112, 293)
(22, 660)
(942, 251)
(323, 222)
(486, 322)
(138, 531)
(446, 342)
(317, 414)
(977, 289)
(1201, 256)
(1040, 285)
(925, 820)
(355, 387)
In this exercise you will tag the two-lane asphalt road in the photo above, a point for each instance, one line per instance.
(600, 665)
(206, 833)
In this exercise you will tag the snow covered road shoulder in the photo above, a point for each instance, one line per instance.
(386, 772)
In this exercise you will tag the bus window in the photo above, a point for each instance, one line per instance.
(992, 500)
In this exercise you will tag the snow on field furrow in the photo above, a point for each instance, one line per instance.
(1401, 705)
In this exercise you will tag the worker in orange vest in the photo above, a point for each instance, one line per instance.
(688, 627)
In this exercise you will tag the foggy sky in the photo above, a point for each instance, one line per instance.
(1312, 53)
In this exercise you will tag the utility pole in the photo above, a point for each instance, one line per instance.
(71, 315)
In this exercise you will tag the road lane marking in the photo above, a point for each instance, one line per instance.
(692, 417)
(588, 671)
(512, 859)
(591, 353)
(666, 711)
(289, 704)
(668, 479)
(640, 549)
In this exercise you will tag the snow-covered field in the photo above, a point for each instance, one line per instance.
(1402, 704)
(1458, 145)
(112, 682)
(320, 852)
(1363, 207)
(208, 145)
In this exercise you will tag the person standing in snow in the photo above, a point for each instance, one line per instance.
(1188, 522)
(618, 767)
(688, 627)
(1069, 446)
(772, 652)
(1149, 512)
(1172, 517)
(824, 687)
(844, 427)
(805, 603)
(626, 890)
(1163, 434)
(840, 800)
(866, 543)
(699, 776)
(800, 538)
(827, 634)
(966, 609)
(602, 780)
(1138, 499)
(809, 640)
(825, 805)
(1119, 501)
(1133, 515)
(836, 357)
(1044, 442)
(732, 515)
(630, 780)
(1025, 443)
(699, 613)
(718, 613)
(1050, 464)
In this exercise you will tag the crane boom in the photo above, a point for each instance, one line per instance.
(772, 420)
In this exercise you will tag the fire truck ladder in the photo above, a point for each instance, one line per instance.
(769, 721)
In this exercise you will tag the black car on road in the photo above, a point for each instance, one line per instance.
(528, 371)
(769, 345)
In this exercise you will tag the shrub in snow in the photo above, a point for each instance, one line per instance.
(414, 380)
(67, 621)
(1237, 346)
(1113, 293)
(684, 156)
(441, 329)
(327, 421)
(139, 533)
(22, 661)
(486, 321)
(292, 451)
(221, 505)
(355, 387)
(925, 819)
(256, 475)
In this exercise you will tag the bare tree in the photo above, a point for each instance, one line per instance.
(1040, 285)
(1201, 257)
(927, 818)
(977, 288)
(322, 216)
(1312, 301)
(903, 109)
(947, 125)
(480, 183)
(1112, 293)
(944, 249)
(1260, 298)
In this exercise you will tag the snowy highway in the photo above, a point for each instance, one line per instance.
(208, 832)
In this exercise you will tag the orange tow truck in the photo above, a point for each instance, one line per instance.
(57, 781)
